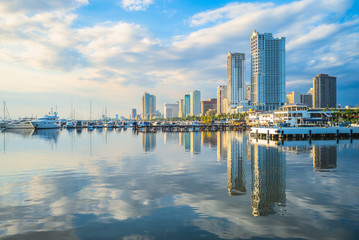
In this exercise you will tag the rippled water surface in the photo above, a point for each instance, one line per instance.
(110, 184)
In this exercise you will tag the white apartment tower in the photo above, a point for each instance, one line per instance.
(195, 103)
(235, 79)
(267, 71)
(221, 95)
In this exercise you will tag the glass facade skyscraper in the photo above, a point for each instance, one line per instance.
(235, 79)
(267, 71)
(148, 106)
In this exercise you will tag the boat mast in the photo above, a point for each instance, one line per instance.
(90, 109)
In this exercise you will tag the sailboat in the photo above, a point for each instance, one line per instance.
(6, 116)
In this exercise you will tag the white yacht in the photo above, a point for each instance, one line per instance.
(20, 124)
(50, 120)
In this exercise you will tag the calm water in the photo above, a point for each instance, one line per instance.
(63, 184)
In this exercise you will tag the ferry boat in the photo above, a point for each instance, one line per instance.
(20, 124)
(50, 120)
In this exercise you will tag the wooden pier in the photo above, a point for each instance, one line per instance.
(290, 133)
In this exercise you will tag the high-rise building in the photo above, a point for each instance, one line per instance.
(186, 105)
(307, 98)
(267, 71)
(148, 106)
(235, 79)
(180, 108)
(170, 110)
(221, 95)
(195, 103)
(324, 91)
(134, 113)
(293, 97)
(207, 105)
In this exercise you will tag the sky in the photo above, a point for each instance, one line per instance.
(62, 54)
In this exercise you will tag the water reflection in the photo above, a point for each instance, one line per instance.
(149, 141)
(324, 158)
(209, 139)
(236, 155)
(50, 135)
(268, 179)
(117, 189)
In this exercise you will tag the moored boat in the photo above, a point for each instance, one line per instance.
(50, 120)
(20, 124)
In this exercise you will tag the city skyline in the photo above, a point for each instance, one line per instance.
(62, 52)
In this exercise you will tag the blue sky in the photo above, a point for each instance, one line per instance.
(58, 52)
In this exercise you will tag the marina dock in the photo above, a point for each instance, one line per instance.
(283, 133)
(190, 127)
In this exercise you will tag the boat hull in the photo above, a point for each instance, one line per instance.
(45, 125)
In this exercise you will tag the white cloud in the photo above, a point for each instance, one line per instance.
(136, 5)
(113, 57)
(30, 6)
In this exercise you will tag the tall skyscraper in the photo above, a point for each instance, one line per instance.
(195, 104)
(324, 91)
(235, 79)
(267, 71)
(221, 95)
(134, 113)
(186, 105)
(148, 106)
(180, 108)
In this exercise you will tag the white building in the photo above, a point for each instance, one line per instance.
(195, 103)
(267, 71)
(170, 110)
(235, 79)
(293, 114)
(221, 96)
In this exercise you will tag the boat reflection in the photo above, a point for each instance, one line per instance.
(22, 132)
(50, 135)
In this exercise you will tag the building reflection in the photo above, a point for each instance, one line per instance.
(209, 139)
(324, 158)
(191, 141)
(236, 156)
(195, 142)
(268, 179)
(222, 145)
(149, 141)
